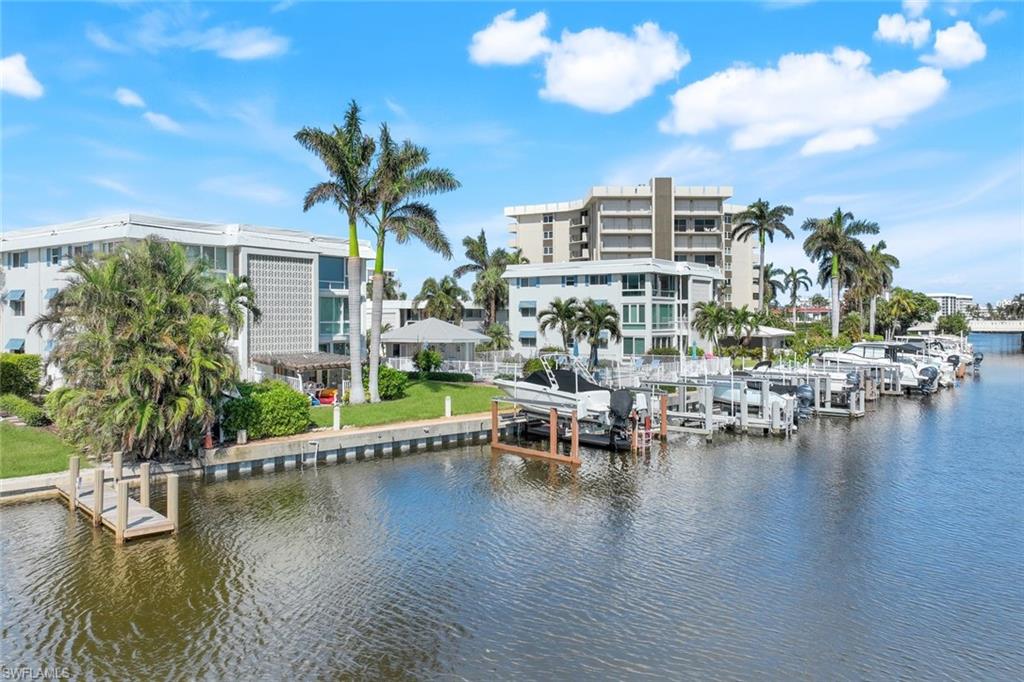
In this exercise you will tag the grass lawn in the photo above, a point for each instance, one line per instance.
(423, 400)
(25, 450)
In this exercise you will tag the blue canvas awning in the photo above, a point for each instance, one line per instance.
(16, 295)
(15, 344)
(50, 293)
(527, 304)
(527, 335)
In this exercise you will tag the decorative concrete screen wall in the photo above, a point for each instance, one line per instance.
(285, 295)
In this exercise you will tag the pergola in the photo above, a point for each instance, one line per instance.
(305, 370)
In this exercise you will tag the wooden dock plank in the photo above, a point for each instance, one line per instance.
(142, 520)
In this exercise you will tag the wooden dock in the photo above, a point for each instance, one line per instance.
(107, 503)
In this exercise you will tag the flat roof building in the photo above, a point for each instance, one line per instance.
(952, 303)
(655, 299)
(300, 278)
(659, 220)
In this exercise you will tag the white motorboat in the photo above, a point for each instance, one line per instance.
(914, 376)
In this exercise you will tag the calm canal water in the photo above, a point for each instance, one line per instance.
(890, 547)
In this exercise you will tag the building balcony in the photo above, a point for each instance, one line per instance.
(334, 285)
(582, 254)
(333, 329)
(579, 222)
(579, 236)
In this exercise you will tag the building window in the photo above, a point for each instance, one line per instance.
(528, 341)
(17, 259)
(528, 311)
(82, 250)
(663, 316)
(705, 259)
(549, 250)
(727, 219)
(333, 315)
(108, 247)
(18, 308)
(634, 316)
(704, 224)
(633, 285)
(549, 234)
(215, 257)
(333, 272)
(569, 280)
(680, 258)
(599, 280)
(54, 255)
(664, 286)
(661, 342)
(549, 217)
(680, 224)
(632, 346)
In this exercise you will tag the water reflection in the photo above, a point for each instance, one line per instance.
(883, 547)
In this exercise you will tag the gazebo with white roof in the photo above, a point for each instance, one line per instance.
(452, 341)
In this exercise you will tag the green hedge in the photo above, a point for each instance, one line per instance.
(427, 360)
(20, 374)
(267, 409)
(391, 383)
(26, 411)
(451, 377)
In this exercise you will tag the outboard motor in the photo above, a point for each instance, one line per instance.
(978, 357)
(620, 405)
(804, 399)
(954, 360)
(929, 375)
(853, 378)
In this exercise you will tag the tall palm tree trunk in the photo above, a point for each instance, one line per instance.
(794, 307)
(356, 395)
(871, 315)
(376, 315)
(760, 296)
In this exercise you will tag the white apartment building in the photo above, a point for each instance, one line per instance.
(655, 298)
(300, 278)
(659, 220)
(952, 303)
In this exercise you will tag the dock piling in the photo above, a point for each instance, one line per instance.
(663, 423)
(172, 500)
(73, 483)
(144, 484)
(709, 411)
(553, 431)
(118, 464)
(494, 423)
(122, 511)
(744, 410)
(447, 406)
(97, 493)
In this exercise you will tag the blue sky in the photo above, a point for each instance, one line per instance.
(910, 115)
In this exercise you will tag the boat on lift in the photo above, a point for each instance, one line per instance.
(914, 376)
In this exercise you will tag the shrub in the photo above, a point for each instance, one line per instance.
(391, 383)
(452, 377)
(552, 349)
(427, 360)
(26, 411)
(532, 365)
(665, 351)
(504, 375)
(267, 409)
(20, 374)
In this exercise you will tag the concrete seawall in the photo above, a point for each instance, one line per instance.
(273, 454)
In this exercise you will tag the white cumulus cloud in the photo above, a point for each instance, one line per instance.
(956, 47)
(894, 28)
(128, 98)
(832, 101)
(507, 41)
(163, 122)
(992, 17)
(249, 43)
(914, 8)
(594, 69)
(604, 71)
(16, 78)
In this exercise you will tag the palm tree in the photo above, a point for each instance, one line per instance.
(392, 288)
(443, 299)
(593, 318)
(710, 321)
(400, 179)
(743, 323)
(773, 282)
(834, 245)
(490, 289)
(792, 281)
(142, 338)
(500, 339)
(878, 276)
(560, 315)
(346, 153)
(901, 306)
(764, 220)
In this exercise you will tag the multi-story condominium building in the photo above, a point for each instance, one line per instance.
(657, 220)
(300, 278)
(655, 298)
(952, 303)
